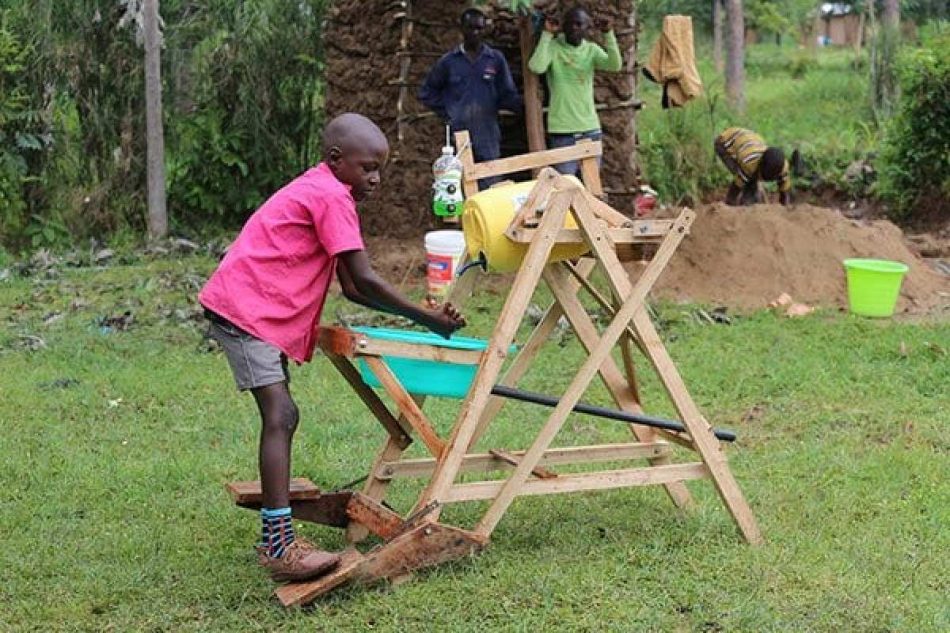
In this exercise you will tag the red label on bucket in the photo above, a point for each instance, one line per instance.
(439, 269)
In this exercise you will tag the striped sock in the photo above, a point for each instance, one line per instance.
(277, 530)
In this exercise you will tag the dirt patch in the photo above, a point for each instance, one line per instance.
(746, 257)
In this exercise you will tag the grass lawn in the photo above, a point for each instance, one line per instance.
(116, 445)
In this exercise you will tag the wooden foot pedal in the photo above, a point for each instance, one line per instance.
(423, 546)
(247, 494)
(336, 509)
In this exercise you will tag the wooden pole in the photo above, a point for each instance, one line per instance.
(533, 117)
(154, 133)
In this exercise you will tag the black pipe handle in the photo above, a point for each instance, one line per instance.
(602, 412)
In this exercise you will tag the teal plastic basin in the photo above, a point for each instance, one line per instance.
(424, 377)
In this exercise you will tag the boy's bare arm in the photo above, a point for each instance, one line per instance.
(361, 284)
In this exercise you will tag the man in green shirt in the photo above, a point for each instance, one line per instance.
(569, 60)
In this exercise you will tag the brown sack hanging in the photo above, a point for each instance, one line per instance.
(672, 62)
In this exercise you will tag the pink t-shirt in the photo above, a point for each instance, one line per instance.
(275, 277)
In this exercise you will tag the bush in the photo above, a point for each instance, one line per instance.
(253, 108)
(678, 155)
(16, 139)
(914, 164)
(801, 63)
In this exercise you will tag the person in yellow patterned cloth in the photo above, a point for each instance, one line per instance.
(750, 160)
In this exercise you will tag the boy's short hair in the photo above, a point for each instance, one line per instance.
(772, 163)
(471, 13)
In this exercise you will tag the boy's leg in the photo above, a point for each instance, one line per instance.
(261, 368)
(279, 418)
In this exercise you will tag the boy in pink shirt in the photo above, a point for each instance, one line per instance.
(264, 303)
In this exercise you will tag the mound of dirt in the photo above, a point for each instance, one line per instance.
(745, 257)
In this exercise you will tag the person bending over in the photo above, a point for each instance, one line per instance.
(750, 160)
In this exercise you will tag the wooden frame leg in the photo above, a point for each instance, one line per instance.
(375, 488)
(493, 359)
(621, 390)
(410, 410)
(522, 361)
(699, 430)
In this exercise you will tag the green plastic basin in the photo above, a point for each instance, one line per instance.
(873, 286)
(424, 377)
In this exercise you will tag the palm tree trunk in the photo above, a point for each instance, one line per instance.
(891, 16)
(735, 55)
(717, 35)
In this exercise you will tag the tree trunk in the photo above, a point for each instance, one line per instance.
(859, 36)
(735, 55)
(816, 30)
(154, 134)
(884, 85)
(717, 35)
(891, 15)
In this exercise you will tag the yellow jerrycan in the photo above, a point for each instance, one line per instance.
(487, 215)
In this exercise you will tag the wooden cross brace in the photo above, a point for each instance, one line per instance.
(597, 228)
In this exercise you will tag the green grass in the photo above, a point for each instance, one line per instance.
(116, 446)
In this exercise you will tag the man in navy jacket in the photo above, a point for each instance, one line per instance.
(467, 87)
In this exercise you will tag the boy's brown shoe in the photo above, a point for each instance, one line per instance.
(301, 560)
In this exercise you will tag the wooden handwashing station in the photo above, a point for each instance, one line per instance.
(557, 212)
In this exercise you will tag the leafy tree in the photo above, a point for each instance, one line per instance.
(23, 139)
(247, 94)
(243, 111)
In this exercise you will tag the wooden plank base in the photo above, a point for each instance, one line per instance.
(336, 509)
(425, 545)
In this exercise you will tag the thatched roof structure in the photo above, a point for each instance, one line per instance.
(378, 52)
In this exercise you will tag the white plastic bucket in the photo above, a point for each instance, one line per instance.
(444, 251)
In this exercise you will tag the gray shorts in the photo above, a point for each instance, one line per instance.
(253, 362)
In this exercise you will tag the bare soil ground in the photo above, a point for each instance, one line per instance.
(745, 257)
